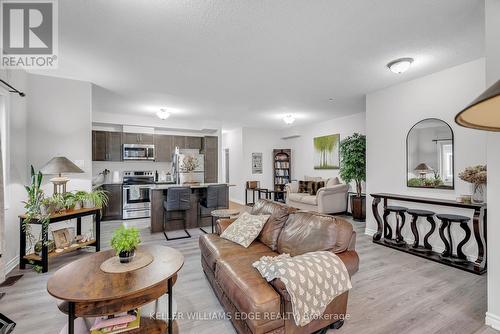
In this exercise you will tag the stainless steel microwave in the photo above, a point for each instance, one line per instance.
(138, 152)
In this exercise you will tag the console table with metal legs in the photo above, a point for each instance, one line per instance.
(479, 230)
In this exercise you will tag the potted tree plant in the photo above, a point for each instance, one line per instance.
(124, 242)
(353, 168)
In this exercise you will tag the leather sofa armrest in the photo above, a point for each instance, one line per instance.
(280, 287)
(351, 261)
(336, 189)
(222, 224)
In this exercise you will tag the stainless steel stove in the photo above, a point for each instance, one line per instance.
(137, 194)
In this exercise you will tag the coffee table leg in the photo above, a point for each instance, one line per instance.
(71, 318)
(98, 231)
(170, 316)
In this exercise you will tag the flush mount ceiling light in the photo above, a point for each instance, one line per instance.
(289, 119)
(163, 114)
(400, 65)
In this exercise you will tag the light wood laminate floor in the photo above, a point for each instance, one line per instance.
(393, 292)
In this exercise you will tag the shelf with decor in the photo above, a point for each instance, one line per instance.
(281, 172)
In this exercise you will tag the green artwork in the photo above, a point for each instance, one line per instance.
(326, 152)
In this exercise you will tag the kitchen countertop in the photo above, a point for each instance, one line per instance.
(192, 186)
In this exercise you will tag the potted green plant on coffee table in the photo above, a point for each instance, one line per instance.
(124, 242)
(353, 168)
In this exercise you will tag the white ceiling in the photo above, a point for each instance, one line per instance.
(250, 62)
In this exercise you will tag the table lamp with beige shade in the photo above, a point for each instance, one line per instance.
(423, 169)
(58, 166)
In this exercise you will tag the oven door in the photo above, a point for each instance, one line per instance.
(136, 197)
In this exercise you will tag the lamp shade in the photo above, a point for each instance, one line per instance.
(484, 112)
(59, 165)
(423, 167)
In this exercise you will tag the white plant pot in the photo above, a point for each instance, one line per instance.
(88, 204)
(78, 205)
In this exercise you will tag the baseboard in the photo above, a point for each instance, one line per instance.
(236, 201)
(439, 249)
(13, 263)
(492, 320)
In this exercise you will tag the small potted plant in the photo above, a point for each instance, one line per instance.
(477, 176)
(95, 199)
(353, 168)
(124, 242)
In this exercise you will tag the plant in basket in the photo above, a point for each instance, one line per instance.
(124, 242)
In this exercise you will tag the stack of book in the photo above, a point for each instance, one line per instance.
(120, 323)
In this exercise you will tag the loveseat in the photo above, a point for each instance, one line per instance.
(332, 198)
(256, 306)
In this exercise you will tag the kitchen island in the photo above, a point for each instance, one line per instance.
(198, 192)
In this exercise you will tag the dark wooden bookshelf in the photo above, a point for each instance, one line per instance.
(282, 160)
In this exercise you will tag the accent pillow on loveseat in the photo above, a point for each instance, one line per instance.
(245, 229)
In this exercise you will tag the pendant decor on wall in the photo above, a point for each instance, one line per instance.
(256, 163)
(326, 152)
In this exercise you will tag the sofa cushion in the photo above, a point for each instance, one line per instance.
(333, 181)
(271, 230)
(309, 199)
(251, 294)
(308, 231)
(296, 197)
(305, 186)
(214, 248)
(245, 229)
(315, 186)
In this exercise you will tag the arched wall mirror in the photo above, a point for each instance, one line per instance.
(430, 155)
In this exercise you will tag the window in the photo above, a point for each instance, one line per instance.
(446, 161)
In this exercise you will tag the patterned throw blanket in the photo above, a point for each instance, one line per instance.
(313, 280)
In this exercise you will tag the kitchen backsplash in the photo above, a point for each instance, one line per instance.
(121, 166)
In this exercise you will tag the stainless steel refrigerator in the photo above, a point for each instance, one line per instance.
(197, 175)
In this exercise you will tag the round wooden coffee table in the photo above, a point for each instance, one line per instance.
(87, 291)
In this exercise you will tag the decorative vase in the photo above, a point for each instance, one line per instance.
(478, 193)
(126, 257)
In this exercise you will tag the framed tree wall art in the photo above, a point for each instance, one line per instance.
(326, 152)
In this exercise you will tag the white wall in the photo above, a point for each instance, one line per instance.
(303, 149)
(17, 175)
(233, 140)
(391, 112)
(492, 75)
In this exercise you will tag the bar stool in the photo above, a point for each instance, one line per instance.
(446, 222)
(429, 215)
(400, 215)
(178, 200)
(216, 199)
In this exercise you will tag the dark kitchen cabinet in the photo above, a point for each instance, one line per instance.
(180, 142)
(99, 146)
(194, 143)
(210, 150)
(164, 148)
(106, 146)
(113, 210)
(138, 138)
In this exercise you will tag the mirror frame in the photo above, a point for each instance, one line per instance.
(452, 187)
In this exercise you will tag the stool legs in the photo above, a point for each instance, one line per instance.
(399, 227)
(431, 231)
(184, 225)
(414, 231)
(467, 230)
(447, 245)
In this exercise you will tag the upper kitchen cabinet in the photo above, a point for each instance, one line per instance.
(164, 148)
(210, 151)
(137, 138)
(106, 146)
(194, 143)
(179, 141)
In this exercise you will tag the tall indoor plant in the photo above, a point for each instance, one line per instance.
(353, 168)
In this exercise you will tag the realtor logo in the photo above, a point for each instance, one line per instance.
(29, 36)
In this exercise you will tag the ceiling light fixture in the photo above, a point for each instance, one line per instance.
(288, 119)
(163, 114)
(400, 65)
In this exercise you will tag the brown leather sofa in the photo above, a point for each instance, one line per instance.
(256, 306)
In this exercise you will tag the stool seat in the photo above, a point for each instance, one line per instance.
(225, 213)
(421, 213)
(453, 218)
(393, 208)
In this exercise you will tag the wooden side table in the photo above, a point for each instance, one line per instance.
(87, 291)
(59, 217)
